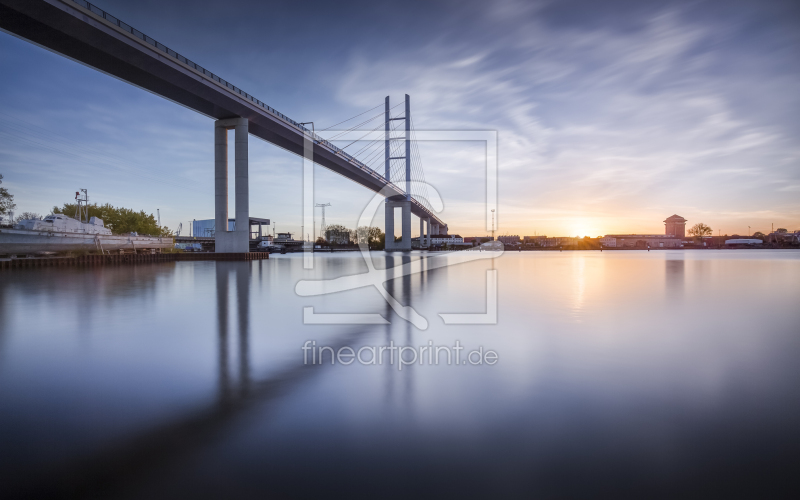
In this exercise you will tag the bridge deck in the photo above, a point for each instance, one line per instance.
(97, 39)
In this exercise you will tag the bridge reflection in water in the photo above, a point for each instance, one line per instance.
(123, 465)
(662, 367)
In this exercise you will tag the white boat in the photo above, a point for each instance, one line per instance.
(61, 233)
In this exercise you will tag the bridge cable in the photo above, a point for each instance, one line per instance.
(354, 127)
(356, 116)
(393, 152)
(360, 138)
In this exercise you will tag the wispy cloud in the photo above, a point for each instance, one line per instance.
(587, 117)
(657, 109)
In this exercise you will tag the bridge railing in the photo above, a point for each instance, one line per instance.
(183, 59)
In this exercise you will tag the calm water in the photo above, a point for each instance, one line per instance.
(619, 374)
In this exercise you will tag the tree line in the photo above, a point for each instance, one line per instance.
(119, 220)
(699, 230)
(371, 236)
(6, 199)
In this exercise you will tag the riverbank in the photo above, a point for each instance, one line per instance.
(100, 260)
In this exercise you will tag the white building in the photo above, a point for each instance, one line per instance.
(744, 241)
(645, 240)
(452, 239)
(544, 241)
(509, 240)
(608, 241)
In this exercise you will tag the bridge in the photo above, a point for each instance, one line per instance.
(83, 32)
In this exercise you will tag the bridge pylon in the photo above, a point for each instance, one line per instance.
(404, 245)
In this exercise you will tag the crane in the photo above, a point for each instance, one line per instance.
(180, 226)
(322, 205)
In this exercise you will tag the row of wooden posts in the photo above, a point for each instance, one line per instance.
(95, 260)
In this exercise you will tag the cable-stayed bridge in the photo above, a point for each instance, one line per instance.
(387, 162)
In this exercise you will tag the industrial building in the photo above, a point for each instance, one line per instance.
(207, 227)
(545, 242)
(338, 237)
(784, 237)
(674, 232)
(641, 241)
(509, 239)
(203, 232)
(452, 239)
(607, 242)
(477, 240)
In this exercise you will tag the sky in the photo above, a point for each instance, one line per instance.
(611, 116)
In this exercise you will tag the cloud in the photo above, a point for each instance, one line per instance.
(587, 117)
(616, 113)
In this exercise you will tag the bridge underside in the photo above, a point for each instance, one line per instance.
(67, 29)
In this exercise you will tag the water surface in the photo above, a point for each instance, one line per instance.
(671, 373)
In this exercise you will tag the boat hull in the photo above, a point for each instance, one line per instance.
(19, 241)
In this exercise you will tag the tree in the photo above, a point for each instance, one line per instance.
(27, 216)
(779, 230)
(699, 230)
(375, 232)
(6, 199)
(368, 235)
(338, 228)
(119, 220)
(759, 235)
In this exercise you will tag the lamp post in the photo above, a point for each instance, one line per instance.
(312, 125)
(493, 225)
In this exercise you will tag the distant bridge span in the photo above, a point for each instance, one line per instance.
(84, 33)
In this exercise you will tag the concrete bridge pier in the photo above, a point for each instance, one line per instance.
(428, 232)
(425, 232)
(404, 245)
(236, 241)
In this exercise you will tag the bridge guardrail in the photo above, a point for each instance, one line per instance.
(183, 59)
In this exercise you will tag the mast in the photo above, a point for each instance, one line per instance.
(82, 205)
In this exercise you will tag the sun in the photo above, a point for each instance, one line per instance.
(584, 227)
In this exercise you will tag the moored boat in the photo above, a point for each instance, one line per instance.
(61, 233)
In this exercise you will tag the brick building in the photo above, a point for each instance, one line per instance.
(675, 225)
